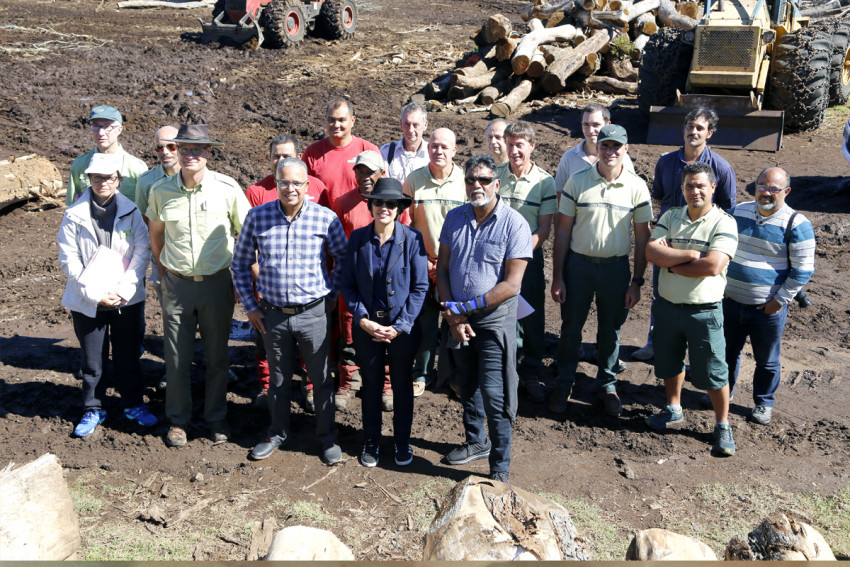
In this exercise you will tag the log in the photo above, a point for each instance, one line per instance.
(629, 12)
(537, 66)
(496, 27)
(526, 48)
(508, 105)
(610, 85)
(552, 52)
(505, 47)
(668, 16)
(645, 24)
(490, 94)
(29, 177)
(689, 9)
(479, 82)
(592, 63)
(457, 92)
(556, 19)
(555, 78)
(639, 43)
(485, 61)
(438, 88)
(542, 11)
(37, 517)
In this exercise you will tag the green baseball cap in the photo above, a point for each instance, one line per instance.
(613, 132)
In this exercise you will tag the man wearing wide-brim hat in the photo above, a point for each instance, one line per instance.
(195, 216)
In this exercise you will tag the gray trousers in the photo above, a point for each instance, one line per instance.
(310, 332)
(188, 306)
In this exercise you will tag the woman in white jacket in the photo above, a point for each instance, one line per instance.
(110, 299)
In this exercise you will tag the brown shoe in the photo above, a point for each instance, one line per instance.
(612, 404)
(387, 401)
(176, 437)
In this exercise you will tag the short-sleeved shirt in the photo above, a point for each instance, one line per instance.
(432, 200)
(403, 162)
(576, 159)
(353, 210)
(144, 184)
(335, 165)
(716, 230)
(200, 224)
(478, 253)
(131, 168)
(265, 190)
(533, 195)
(604, 212)
(667, 183)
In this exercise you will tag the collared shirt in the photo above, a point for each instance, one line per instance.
(715, 230)
(380, 255)
(144, 184)
(667, 183)
(292, 255)
(604, 212)
(335, 165)
(131, 168)
(265, 190)
(533, 195)
(403, 162)
(478, 253)
(201, 224)
(353, 210)
(759, 271)
(576, 159)
(432, 200)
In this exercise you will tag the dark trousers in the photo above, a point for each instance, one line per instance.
(765, 331)
(429, 322)
(372, 356)
(531, 329)
(122, 327)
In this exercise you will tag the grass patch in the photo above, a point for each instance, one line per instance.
(302, 512)
(85, 503)
(838, 113)
(117, 543)
(423, 502)
(607, 540)
(830, 515)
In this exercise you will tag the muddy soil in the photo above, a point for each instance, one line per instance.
(61, 58)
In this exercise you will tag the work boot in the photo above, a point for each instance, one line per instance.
(558, 399)
(534, 391)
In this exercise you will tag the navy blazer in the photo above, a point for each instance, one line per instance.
(407, 276)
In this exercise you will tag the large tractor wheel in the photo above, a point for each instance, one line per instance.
(799, 78)
(664, 69)
(284, 22)
(338, 18)
(839, 73)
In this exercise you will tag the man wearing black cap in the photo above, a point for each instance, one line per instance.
(195, 216)
(106, 125)
(591, 258)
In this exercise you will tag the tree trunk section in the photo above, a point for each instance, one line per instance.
(539, 35)
(496, 27)
(555, 78)
(505, 48)
(508, 105)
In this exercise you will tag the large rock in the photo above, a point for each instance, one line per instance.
(486, 520)
(661, 545)
(28, 177)
(300, 543)
(780, 537)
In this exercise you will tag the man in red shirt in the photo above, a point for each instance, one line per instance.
(331, 159)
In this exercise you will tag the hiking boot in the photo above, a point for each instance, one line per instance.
(558, 399)
(369, 456)
(141, 415)
(664, 418)
(418, 388)
(266, 448)
(468, 452)
(724, 444)
(176, 436)
(341, 398)
(761, 414)
(403, 454)
(331, 454)
(310, 402)
(644, 354)
(611, 401)
(219, 431)
(534, 391)
(387, 401)
(503, 476)
(89, 422)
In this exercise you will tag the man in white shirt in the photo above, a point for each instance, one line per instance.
(410, 153)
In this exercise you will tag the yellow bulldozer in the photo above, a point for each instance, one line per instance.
(762, 66)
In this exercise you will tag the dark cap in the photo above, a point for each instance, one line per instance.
(194, 134)
(107, 113)
(613, 132)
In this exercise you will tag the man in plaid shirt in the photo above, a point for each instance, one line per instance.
(291, 239)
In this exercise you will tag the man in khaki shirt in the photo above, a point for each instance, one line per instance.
(194, 218)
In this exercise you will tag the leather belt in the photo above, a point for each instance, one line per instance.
(294, 309)
(381, 314)
(197, 278)
(598, 260)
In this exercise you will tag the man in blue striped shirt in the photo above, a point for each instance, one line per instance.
(763, 278)
(291, 239)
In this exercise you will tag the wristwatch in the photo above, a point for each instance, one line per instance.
(639, 281)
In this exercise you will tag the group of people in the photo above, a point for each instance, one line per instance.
(398, 255)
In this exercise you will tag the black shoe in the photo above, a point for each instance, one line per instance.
(612, 404)
(403, 455)
(266, 448)
(369, 456)
(331, 454)
(503, 476)
(468, 452)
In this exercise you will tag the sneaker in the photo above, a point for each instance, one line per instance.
(266, 448)
(558, 399)
(611, 401)
(724, 444)
(331, 454)
(141, 415)
(91, 419)
(534, 391)
(369, 456)
(418, 388)
(387, 401)
(620, 367)
(645, 353)
(503, 476)
(261, 402)
(468, 452)
(341, 398)
(219, 431)
(310, 402)
(761, 414)
(403, 454)
(662, 419)
(176, 437)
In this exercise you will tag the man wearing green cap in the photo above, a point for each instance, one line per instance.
(598, 207)
(106, 125)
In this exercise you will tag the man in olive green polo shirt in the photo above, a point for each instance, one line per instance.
(436, 189)
(693, 245)
(530, 190)
(598, 206)
(194, 218)
(106, 125)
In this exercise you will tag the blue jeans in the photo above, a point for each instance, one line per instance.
(765, 332)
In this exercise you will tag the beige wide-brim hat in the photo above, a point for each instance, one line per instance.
(194, 134)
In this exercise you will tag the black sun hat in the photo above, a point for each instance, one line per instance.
(194, 134)
(390, 189)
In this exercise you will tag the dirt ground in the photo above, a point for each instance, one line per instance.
(61, 58)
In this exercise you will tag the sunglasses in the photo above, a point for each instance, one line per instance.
(769, 189)
(193, 151)
(103, 178)
(169, 147)
(482, 180)
(383, 203)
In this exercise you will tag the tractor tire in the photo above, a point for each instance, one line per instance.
(664, 68)
(338, 18)
(284, 23)
(799, 78)
(839, 71)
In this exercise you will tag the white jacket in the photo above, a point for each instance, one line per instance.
(78, 244)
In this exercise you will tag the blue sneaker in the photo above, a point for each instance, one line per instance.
(91, 419)
(141, 415)
(724, 444)
(662, 419)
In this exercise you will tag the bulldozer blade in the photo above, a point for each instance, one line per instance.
(738, 128)
(247, 33)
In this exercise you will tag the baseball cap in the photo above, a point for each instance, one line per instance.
(104, 164)
(107, 113)
(845, 149)
(370, 159)
(613, 132)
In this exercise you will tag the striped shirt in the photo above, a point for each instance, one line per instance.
(291, 254)
(759, 271)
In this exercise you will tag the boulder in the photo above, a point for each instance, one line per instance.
(486, 520)
(29, 177)
(301, 543)
(780, 537)
(661, 545)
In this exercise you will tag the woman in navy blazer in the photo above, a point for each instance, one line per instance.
(384, 281)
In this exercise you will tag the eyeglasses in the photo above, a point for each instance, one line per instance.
(192, 151)
(387, 204)
(97, 128)
(482, 180)
(770, 189)
(287, 184)
(169, 147)
(103, 178)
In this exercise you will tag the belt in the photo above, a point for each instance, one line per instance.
(294, 309)
(598, 260)
(695, 306)
(381, 314)
(197, 278)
